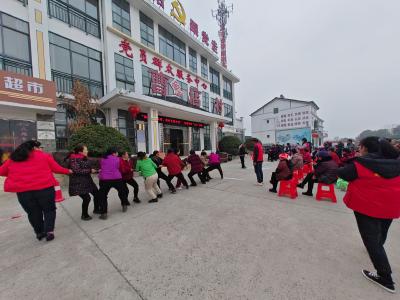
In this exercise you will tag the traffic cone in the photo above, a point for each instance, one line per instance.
(59, 195)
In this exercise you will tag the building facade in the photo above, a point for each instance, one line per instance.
(283, 121)
(130, 54)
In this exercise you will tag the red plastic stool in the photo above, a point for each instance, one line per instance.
(327, 194)
(288, 188)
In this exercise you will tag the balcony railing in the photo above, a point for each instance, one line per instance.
(65, 84)
(74, 17)
(15, 66)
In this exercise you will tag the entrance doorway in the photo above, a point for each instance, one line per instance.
(176, 140)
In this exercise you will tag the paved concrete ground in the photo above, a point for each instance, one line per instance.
(226, 240)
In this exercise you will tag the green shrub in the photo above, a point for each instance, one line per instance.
(98, 139)
(230, 145)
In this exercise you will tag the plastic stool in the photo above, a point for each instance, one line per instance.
(327, 194)
(288, 188)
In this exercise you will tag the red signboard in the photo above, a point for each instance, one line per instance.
(27, 90)
(172, 121)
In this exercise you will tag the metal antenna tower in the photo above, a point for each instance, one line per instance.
(222, 16)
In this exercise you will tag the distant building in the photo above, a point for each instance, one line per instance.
(283, 120)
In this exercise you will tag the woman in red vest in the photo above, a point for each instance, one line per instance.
(374, 196)
(29, 173)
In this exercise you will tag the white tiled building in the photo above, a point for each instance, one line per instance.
(113, 47)
(283, 121)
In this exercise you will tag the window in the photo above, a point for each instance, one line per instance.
(267, 121)
(207, 138)
(276, 110)
(126, 126)
(82, 14)
(196, 139)
(227, 89)
(172, 47)
(204, 68)
(228, 113)
(71, 61)
(184, 88)
(15, 54)
(121, 16)
(124, 73)
(215, 86)
(205, 101)
(146, 80)
(146, 30)
(192, 60)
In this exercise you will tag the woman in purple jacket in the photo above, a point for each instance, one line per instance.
(110, 177)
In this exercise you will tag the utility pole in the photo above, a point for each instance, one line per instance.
(222, 15)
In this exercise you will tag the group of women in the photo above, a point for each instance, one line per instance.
(29, 173)
(373, 192)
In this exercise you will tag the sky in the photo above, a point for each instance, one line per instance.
(342, 54)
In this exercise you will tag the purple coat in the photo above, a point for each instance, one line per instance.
(110, 168)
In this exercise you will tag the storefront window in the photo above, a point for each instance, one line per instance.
(207, 138)
(15, 55)
(196, 139)
(15, 132)
(126, 126)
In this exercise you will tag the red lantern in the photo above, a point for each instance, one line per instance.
(134, 111)
(221, 125)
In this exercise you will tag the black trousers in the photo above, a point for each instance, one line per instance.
(259, 171)
(242, 161)
(199, 174)
(132, 182)
(86, 201)
(163, 176)
(180, 178)
(215, 167)
(106, 186)
(41, 209)
(373, 232)
(274, 180)
(311, 181)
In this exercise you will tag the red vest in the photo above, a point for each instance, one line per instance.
(373, 195)
(260, 156)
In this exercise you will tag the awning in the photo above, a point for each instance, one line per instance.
(122, 99)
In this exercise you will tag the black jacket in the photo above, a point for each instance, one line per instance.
(326, 171)
(242, 151)
(386, 168)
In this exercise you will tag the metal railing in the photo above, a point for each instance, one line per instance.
(65, 84)
(74, 17)
(15, 66)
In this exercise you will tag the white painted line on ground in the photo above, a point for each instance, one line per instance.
(233, 179)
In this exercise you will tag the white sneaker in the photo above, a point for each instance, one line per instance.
(260, 184)
(179, 188)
